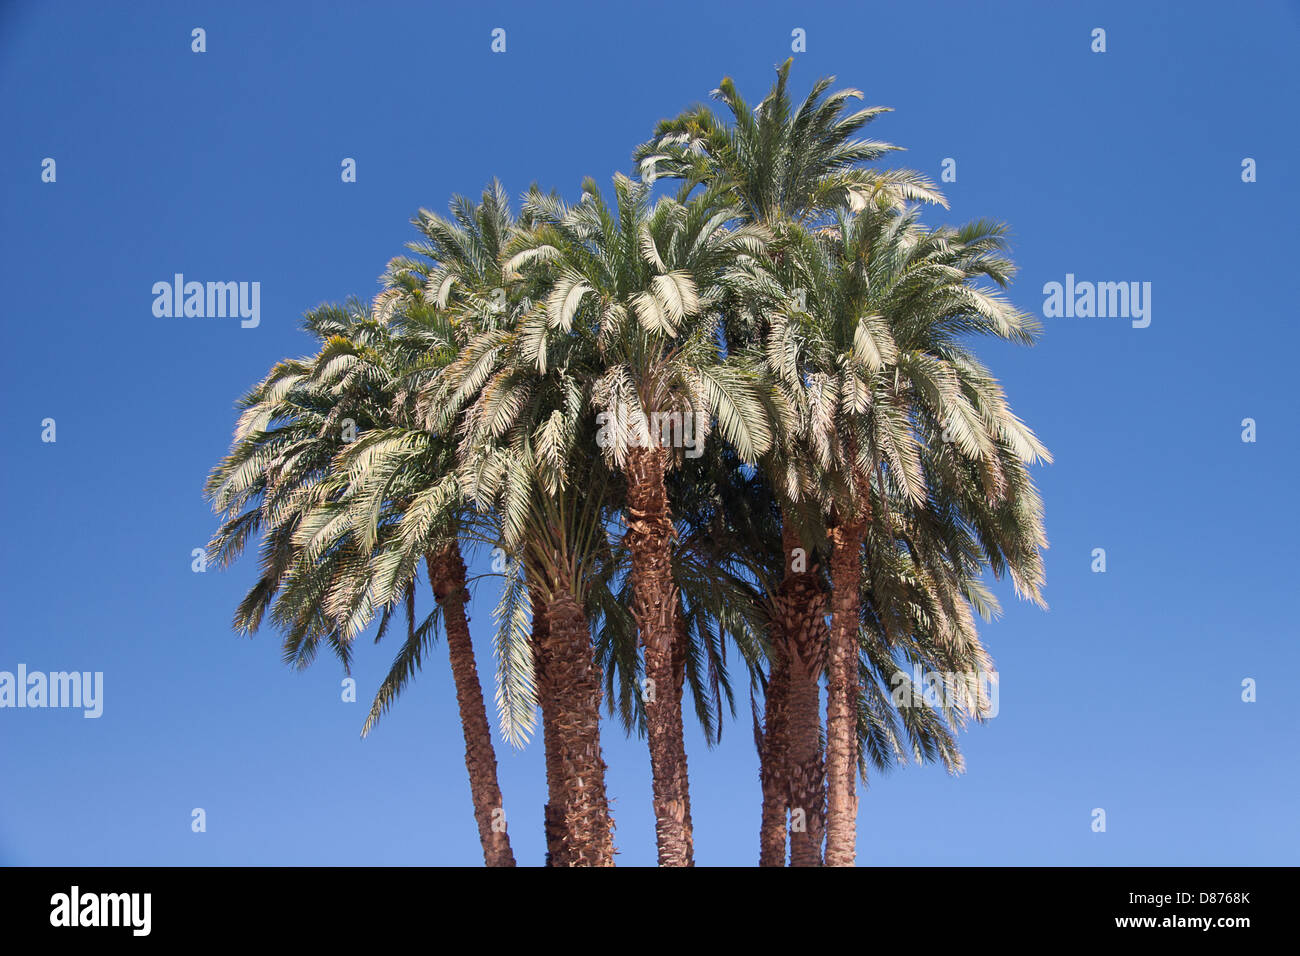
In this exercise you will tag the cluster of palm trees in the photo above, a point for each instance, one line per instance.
(519, 388)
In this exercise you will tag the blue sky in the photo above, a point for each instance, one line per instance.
(1116, 166)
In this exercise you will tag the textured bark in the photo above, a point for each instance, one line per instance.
(773, 773)
(842, 695)
(553, 812)
(447, 577)
(655, 607)
(574, 683)
(801, 607)
(679, 652)
(807, 771)
(683, 783)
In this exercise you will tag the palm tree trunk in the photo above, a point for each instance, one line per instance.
(801, 605)
(573, 687)
(773, 773)
(683, 783)
(807, 770)
(447, 576)
(842, 694)
(553, 812)
(655, 606)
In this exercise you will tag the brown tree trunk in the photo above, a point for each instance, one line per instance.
(842, 694)
(574, 689)
(801, 607)
(683, 783)
(447, 577)
(773, 773)
(807, 771)
(655, 606)
(553, 812)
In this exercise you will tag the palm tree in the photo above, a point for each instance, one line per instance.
(552, 527)
(877, 363)
(791, 168)
(785, 167)
(644, 283)
(323, 521)
(519, 421)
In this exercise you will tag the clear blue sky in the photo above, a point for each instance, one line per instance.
(1122, 166)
